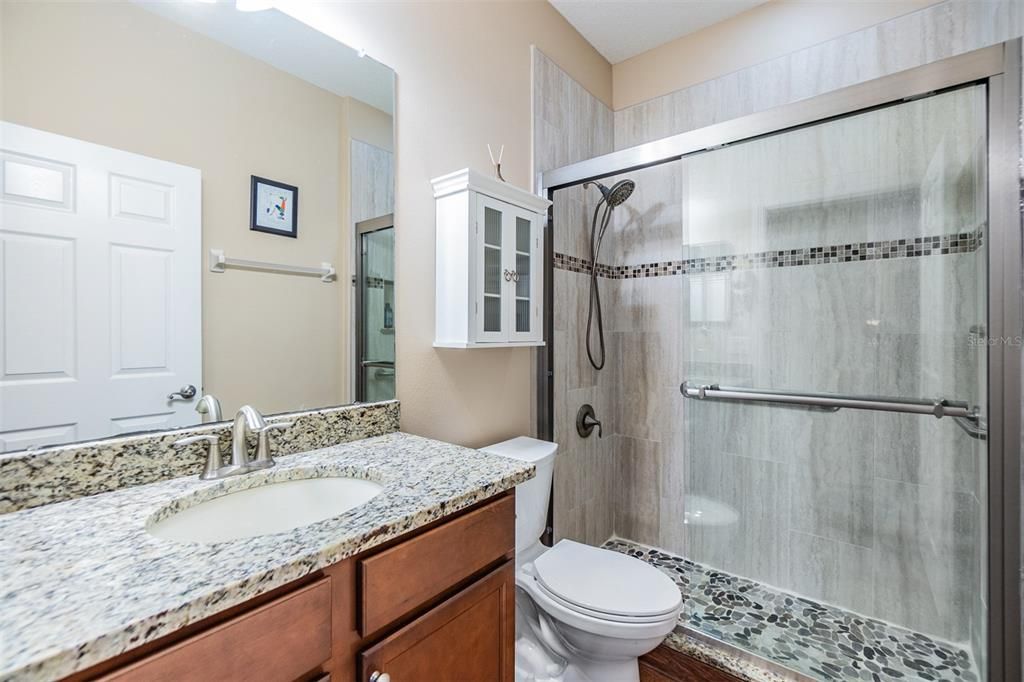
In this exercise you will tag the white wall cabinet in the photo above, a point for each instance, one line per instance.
(490, 263)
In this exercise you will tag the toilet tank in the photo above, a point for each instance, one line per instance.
(531, 496)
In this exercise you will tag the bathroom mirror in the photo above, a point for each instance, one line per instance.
(180, 185)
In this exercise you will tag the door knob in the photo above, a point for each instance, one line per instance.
(183, 393)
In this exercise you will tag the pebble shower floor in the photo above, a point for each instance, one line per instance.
(822, 641)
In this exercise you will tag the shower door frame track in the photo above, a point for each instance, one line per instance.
(999, 68)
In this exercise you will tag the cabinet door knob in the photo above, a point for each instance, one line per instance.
(378, 676)
(515, 276)
(508, 275)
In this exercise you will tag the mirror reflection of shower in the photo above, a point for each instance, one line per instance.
(610, 198)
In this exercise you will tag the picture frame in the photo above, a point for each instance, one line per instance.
(273, 207)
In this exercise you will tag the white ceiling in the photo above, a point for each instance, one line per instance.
(620, 29)
(287, 44)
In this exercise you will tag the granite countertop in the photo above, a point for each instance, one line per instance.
(83, 581)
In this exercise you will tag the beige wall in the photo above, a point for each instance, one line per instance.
(122, 77)
(463, 81)
(765, 32)
(369, 124)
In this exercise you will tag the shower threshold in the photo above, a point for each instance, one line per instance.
(738, 623)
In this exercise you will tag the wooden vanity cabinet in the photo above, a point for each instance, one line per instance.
(437, 604)
(456, 640)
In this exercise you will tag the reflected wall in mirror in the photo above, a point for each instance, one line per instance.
(129, 135)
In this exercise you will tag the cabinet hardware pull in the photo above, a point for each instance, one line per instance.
(378, 676)
(515, 276)
(508, 275)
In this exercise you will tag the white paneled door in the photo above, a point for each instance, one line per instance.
(100, 315)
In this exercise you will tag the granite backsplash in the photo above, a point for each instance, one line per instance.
(32, 478)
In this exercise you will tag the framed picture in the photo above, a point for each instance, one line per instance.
(274, 207)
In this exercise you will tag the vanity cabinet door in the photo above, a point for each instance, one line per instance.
(468, 638)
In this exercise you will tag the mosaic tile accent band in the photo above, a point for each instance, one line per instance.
(936, 245)
(377, 282)
(824, 642)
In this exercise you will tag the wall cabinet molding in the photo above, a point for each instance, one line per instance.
(489, 263)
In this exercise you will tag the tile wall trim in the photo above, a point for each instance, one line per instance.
(917, 247)
(33, 478)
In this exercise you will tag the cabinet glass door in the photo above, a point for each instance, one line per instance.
(493, 270)
(524, 247)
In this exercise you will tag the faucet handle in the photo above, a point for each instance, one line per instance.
(263, 457)
(212, 453)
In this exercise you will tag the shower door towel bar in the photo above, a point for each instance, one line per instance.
(218, 262)
(938, 407)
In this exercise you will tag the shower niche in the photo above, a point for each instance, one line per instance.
(490, 281)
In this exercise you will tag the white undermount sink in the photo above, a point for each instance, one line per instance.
(264, 510)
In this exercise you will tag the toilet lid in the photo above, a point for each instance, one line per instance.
(605, 581)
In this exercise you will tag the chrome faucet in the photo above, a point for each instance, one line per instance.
(248, 420)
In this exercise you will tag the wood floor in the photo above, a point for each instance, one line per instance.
(668, 665)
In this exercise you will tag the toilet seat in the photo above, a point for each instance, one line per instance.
(600, 615)
(590, 589)
(606, 584)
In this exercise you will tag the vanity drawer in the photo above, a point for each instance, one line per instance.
(399, 579)
(282, 640)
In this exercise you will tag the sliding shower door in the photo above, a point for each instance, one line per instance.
(375, 309)
(848, 259)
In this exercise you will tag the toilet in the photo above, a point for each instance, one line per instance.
(583, 614)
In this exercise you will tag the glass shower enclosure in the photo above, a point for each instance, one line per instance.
(375, 309)
(816, 388)
(830, 313)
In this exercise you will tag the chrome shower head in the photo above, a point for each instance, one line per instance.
(618, 193)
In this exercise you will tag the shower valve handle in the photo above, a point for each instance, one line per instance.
(586, 422)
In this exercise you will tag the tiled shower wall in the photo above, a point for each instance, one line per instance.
(570, 125)
(942, 30)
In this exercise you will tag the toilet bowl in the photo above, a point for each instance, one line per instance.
(583, 614)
